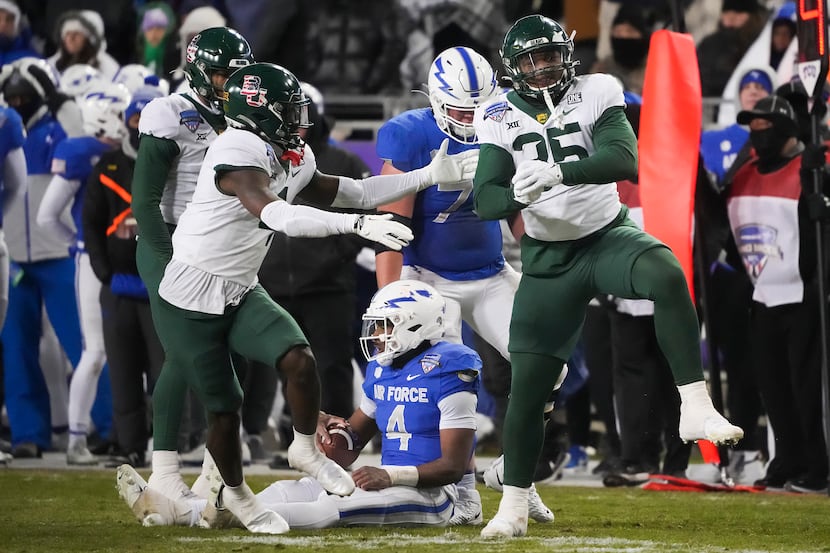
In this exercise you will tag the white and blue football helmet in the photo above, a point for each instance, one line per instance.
(459, 79)
(103, 108)
(77, 79)
(399, 318)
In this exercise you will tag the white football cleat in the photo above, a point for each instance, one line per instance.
(699, 420)
(331, 476)
(494, 478)
(467, 509)
(494, 475)
(215, 515)
(80, 456)
(150, 507)
(504, 527)
(536, 509)
(267, 522)
(129, 484)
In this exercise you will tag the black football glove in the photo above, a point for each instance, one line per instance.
(53, 97)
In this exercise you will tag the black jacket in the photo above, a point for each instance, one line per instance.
(298, 266)
(105, 201)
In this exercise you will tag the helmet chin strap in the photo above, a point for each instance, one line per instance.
(548, 100)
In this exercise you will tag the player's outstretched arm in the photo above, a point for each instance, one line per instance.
(368, 193)
(250, 186)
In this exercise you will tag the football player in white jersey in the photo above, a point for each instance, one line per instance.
(453, 250)
(553, 149)
(210, 300)
(175, 132)
(420, 393)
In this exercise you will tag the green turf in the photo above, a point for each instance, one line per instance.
(80, 512)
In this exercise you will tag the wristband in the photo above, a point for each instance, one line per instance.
(402, 476)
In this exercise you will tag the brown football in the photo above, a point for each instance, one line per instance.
(344, 448)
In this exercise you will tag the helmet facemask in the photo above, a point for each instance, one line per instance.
(549, 69)
(399, 318)
(294, 116)
(460, 129)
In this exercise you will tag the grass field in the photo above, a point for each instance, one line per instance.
(70, 511)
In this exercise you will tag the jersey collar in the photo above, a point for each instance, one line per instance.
(215, 120)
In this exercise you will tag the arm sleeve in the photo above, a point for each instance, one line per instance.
(378, 190)
(155, 159)
(95, 221)
(14, 177)
(69, 116)
(59, 195)
(615, 155)
(299, 221)
(492, 192)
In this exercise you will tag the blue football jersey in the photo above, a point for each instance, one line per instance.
(719, 148)
(11, 138)
(450, 239)
(407, 400)
(73, 160)
(41, 141)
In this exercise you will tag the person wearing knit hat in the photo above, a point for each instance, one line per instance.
(81, 38)
(720, 148)
(155, 48)
(735, 13)
(15, 39)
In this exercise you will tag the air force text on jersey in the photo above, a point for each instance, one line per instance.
(403, 394)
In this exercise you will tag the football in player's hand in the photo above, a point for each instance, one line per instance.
(344, 447)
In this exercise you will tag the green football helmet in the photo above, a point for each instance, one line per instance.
(532, 34)
(218, 49)
(267, 100)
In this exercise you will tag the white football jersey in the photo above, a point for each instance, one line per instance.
(563, 212)
(216, 233)
(176, 118)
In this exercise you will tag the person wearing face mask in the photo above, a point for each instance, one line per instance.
(630, 35)
(132, 347)
(772, 220)
(741, 21)
(721, 148)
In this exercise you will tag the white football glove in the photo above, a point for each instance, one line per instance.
(381, 229)
(451, 169)
(533, 177)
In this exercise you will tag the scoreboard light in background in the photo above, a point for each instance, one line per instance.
(812, 42)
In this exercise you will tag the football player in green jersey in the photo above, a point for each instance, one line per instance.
(553, 148)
